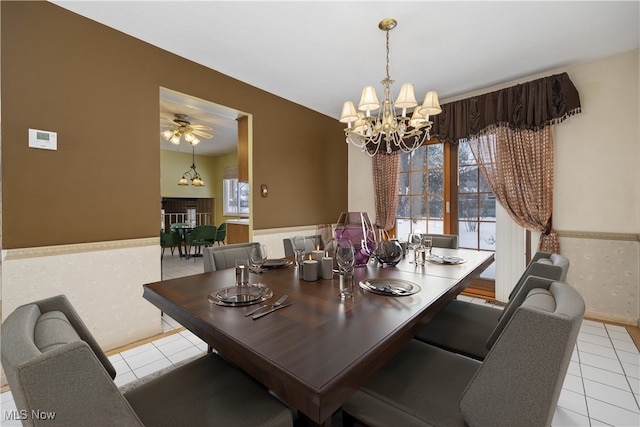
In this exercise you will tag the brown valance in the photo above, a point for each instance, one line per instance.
(532, 105)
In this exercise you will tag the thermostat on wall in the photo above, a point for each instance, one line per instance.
(43, 139)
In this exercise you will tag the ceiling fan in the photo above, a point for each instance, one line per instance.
(183, 127)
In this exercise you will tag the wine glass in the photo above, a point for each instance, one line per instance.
(258, 257)
(346, 257)
(300, 246)
(414, 240)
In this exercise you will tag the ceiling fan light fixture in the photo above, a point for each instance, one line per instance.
(167, 134)
(184, 128)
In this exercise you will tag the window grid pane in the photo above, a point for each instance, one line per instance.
(421, 203)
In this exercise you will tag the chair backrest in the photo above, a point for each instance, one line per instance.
(520, 380)
(169, 239)
(221, 257)
(221, 232)
(443, 240)
(543, 264)
(310, 243)
(202, 233)
(529, 283)
(53, 364)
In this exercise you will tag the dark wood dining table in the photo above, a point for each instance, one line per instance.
(315, 353)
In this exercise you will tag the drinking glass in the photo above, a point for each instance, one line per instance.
(345, 256)
(427, 242)
(258, 257)
(299, 245)
(242, 272)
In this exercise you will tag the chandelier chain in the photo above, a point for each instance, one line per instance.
(388, 74)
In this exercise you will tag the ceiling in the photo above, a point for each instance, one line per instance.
(319, 54)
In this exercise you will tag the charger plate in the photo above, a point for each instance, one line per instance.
(277, 263)
(239, 296)
(390, 287)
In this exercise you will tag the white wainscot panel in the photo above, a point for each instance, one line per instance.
(103, 285)
(607, 275)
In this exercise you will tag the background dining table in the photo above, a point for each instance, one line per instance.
(316, 352)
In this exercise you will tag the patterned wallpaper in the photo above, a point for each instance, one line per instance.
(605, 269)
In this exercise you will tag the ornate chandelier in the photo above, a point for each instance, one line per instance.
(192, 175)
(385, 132)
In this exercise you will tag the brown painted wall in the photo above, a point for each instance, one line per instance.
(99, 89)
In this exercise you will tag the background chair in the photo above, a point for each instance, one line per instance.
(221, 257)
(169, 240)
(310, 242)
(202, 235)
(443, 240)
(464, 327)
(221, 233)
(518, 384)
(53, 364)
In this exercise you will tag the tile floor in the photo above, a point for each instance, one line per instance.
(602, 386)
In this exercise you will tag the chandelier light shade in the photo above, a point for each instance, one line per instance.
(192, 176)
(386, 131)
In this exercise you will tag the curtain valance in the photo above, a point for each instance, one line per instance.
(532, 106)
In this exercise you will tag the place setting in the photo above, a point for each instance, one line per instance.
(244, 293)
(445, 259)
(390, 287)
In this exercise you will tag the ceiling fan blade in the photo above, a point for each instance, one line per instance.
(202, 134)
(200, 127)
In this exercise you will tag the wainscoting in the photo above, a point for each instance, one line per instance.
(605, 269)
(103, 281)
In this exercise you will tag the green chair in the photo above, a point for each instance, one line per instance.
(169, 240)
(202, 235)
(221, 233)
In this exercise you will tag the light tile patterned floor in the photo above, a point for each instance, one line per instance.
(602, 386)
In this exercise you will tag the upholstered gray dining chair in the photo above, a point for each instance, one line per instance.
(464, 327)
(443, 240)
(310, 243)
(221, 257)
(53, 364)
(517, 384)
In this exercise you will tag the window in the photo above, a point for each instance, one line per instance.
(476, 204)
(428, 182)
(421, 202)
(236, 197)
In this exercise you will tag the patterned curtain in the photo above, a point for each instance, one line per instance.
(386, 176)
(518, 167)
